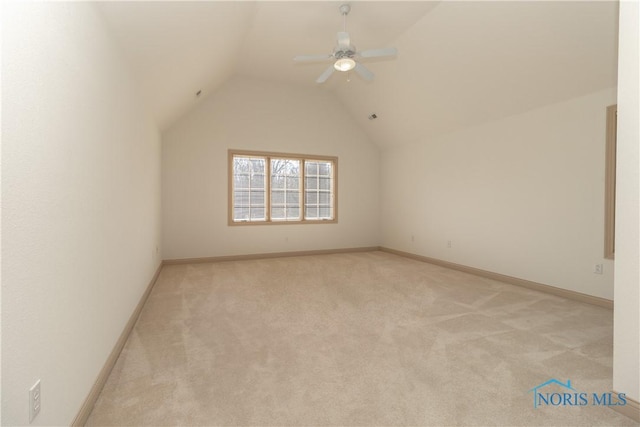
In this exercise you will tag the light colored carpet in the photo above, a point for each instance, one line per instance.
(353, 339)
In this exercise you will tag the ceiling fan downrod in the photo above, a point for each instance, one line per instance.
(344, 10)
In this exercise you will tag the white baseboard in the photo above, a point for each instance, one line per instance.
(631, 409)
(576, 296)
(87, 406)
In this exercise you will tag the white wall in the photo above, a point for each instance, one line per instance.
(81, 204)
(626, 339)
(254, 115)
(521, 196)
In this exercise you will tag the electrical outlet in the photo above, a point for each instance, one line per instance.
(35, 401)
(413, 238)
(597, 269)
(448, 243)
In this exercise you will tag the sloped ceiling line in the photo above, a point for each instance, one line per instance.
(459, 63)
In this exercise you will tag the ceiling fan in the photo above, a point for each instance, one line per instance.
(345, 54)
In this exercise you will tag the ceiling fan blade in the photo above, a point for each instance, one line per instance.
(379, 53)
(363, 71)
(311, 58)
(343, 39)
(327, 73)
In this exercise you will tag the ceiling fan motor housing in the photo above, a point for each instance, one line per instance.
(342, 53)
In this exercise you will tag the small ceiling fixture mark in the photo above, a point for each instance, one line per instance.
(198, 93)
(373, 116)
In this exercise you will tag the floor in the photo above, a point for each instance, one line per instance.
(354, 339)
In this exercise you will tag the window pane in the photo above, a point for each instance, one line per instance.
(324, 168)
(324, 199)
(241, 198)
(257, 198)
(277, 197)
(241, 214)
(311, 183)
(249, 188)
(285, 167)
(293, 198)
(318, 189)
(257, 180)
(285, 189)
(241, 181)
(311, 212)
(257, 214)
(293, 182)
(324, 183)
(241, 165)
(277, 213)
(311, 168)
(311, 198)
(257, 165)
(277, 182)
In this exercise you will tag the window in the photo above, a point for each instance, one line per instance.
(274, 188)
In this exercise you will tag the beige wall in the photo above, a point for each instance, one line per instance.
(626, 339)
(80, 205)
(521, 196)
(81, 195)
(253, 115)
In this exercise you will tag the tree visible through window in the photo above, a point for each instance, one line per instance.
(273, 188)
(249, 189)
(285, 189)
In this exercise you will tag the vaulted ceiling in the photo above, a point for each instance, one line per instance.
(459, 63)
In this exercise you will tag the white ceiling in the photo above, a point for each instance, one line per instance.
(459, 63)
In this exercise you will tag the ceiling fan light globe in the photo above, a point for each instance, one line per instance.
(344, 64)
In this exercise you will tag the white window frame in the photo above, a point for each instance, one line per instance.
(268, 156)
